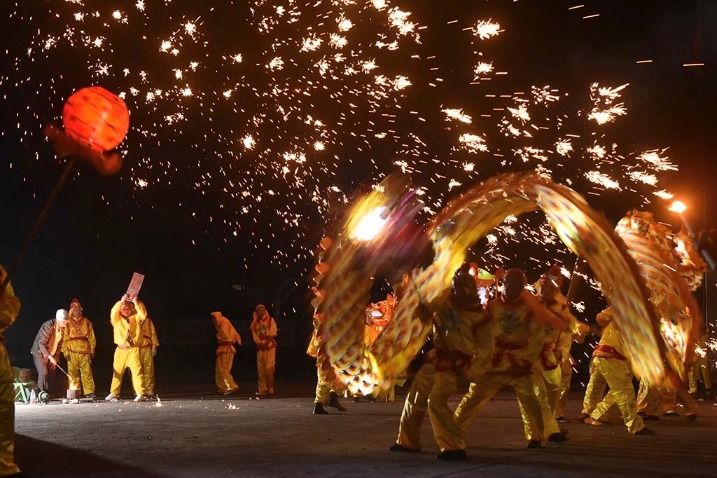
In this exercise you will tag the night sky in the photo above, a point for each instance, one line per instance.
(216, 225)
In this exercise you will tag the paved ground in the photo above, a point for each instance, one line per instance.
(197, 435)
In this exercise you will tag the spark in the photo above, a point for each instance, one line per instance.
(605, 110)
(657, 161)
(644, 177)
(457, 114)
(473, 142)
(482, 69)
(486, 29)
(563, 147)
(602, 179)
(521, 112)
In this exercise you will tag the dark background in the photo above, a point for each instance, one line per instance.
(102, 229)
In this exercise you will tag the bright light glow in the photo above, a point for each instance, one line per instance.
(370, 225)
(678, 207)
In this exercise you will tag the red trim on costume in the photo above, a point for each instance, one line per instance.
(606, 351)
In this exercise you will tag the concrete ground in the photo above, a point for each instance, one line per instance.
(190, 433)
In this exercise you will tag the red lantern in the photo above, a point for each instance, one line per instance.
(96, 118)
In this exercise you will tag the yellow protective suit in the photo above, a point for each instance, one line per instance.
(480, 393)
(463, 345)
(227, 336)
(594, 392)
(612, 364)
(460, 333)
(264, 332)
(556, 353)
(324, 386)
(326, 383)
(578, 331)
(147, 350)
(78, 347)
(415, 406)
(127, 336)
(519, 329)
(9, 309)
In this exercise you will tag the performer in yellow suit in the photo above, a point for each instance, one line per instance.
(125, 318)
(79, 349)
(327, 386)
(547, 373)
(701, 368)
(610, 361)
(227, 336)
(148, 346)
(9, 309)
(463, 346)
(555, 366)
(463, 342)
(577, 333)
(264, 332)
(519, 323)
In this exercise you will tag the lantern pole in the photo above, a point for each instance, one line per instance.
(69, 166)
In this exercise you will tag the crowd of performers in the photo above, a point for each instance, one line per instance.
(70, 334)
(492, 331)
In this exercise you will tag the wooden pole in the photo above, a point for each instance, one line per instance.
(32, 235)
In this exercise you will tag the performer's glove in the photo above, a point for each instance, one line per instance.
(154, 351)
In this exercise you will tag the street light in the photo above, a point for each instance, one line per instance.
(678, 206)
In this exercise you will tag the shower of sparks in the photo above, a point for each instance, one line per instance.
(263, 108)
(605, 109)
(272, 107)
